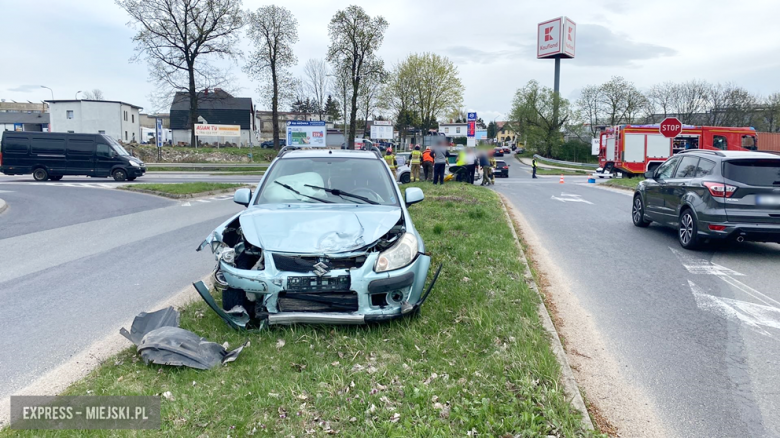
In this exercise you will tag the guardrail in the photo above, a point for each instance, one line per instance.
(207, 165)
(567, 163)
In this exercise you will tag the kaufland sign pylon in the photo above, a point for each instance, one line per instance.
(556, 39)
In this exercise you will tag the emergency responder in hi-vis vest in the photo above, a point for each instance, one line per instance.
(390, 159)
(416, 160)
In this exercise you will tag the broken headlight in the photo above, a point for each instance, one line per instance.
(399, 255)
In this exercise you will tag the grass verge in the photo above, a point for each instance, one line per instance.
(540, 171)
(181, 190)
(475, 361)
(624, 183)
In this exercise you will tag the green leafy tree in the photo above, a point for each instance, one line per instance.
(533, 114)
(492, 130)
(332, 109)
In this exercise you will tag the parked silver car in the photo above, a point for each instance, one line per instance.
(326, 238)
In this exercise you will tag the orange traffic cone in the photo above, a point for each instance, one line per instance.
(561, 181)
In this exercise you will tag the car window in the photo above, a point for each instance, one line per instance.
(500, 163)
(753, 172)
(719, 142)
(103, 150)
(666, 169)
(687, 167)
(705, 167)
(360, 176)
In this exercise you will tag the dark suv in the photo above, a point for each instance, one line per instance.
(713, 195)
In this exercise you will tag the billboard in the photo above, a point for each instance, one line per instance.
(203, 130)
(303, 133)
(556, 38)
(382, 130)
(471, 130)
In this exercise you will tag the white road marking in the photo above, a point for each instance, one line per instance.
(695, 265)
(755, 316)
(202, 200)
(186, 204)
(567, 197)
(6, 191)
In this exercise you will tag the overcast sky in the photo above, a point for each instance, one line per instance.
(72, 45)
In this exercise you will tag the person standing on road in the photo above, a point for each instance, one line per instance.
(427, 164)
(471, 164)
(484, 163)
(533, 164)
(416, 159)
(440, 155)
(491, 167)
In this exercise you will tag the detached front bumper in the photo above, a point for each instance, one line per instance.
(341, 296)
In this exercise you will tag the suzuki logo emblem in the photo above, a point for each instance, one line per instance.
(321, 269)
(548, 33)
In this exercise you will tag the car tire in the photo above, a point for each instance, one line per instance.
(131, 178)
(119, 175)
(406, 178)
(55, 178)
(236, 297)
(638, 213)
(40, 174)
(688, 230)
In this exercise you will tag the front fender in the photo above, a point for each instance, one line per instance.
(216, 235)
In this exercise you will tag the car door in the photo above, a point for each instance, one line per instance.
(678, 185)
(654, 195)
(104, 159)
(80, 156)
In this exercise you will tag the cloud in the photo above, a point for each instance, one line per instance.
(25, 88)
(470, 55)
(599, 46)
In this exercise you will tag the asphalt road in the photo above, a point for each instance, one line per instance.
(75, 260)
(697, 331)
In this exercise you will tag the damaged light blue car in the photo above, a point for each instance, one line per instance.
(325, 238)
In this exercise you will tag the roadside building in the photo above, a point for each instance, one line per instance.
(119, 120)
(13, 121)
(453, 130)
(217, 107)
(504, 133)
(12, 106)
(150, 120)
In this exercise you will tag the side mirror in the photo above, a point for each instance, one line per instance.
(242, 197)
(650, 174)
(414, 195)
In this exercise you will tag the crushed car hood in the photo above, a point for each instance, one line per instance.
(317, 229)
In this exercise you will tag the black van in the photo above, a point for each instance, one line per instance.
(53, 155)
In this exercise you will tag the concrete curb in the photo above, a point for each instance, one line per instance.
(3, 206)
(570, 387)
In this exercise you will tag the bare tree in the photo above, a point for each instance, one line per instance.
(174, 36)
(95, 94)
(354, 39)
(317, 75)
(398, 97)
(690, 99)
(661, 98)
(273, 30)
(636, 105)
(589, 108)
(370, 89)
(772, 112)
(342, 87)
(614, 99)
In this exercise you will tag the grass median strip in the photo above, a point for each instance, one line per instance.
(181, 189)
(624, 183)
(475, 361)
(215, 168)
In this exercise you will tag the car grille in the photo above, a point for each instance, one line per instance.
(306, 264)
(319, 302)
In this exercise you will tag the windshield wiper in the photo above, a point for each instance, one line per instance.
(301, 194)
(342, 193)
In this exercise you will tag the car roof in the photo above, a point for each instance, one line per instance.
(727, 155)
(323, 152)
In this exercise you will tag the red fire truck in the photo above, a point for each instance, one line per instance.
(635, 149)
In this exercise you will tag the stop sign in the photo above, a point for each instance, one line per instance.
(671, 127)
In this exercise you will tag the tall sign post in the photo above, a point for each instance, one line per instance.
(471, 130)
(556, 39)
(158, 134)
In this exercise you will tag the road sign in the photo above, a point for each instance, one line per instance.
(382, 130)
(203, 130)
(671, 127)
(472, 116)
(159, 133)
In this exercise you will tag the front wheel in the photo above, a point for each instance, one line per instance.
(638, 213)
(120, 175)
(55, 178)
(406, 178)
(132, 178)
(688, 231)
(40, 174)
